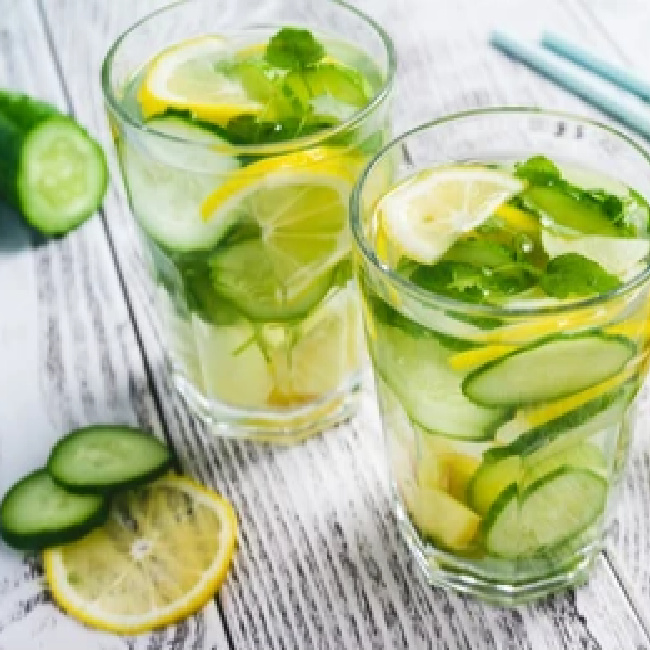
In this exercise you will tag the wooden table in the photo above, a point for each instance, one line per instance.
(319, 562)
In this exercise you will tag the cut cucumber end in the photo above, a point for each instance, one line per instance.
(62, 176)
(37, 513)
(104, 458)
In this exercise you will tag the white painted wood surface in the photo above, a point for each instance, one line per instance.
(319, 562)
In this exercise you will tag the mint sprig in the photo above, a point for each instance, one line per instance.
(294, 49)
(572, 275)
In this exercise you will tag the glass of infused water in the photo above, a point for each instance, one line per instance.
(240, 129)
(503, 260)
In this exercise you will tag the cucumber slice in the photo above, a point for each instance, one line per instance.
(246, 275)
(494, 476)
(548, 513)
(199, 147)
(418, 372)
(37, 512)
(599, 414)
(167, 182)
(569, 211)
(490, 480)
(583, 455)
(51, 170)
(103, 458)
(550, 368)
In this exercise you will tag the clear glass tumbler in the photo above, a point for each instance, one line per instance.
(248, 243)
(516, 507)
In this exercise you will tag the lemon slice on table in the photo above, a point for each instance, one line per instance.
(297, 207)
(161, 555)
(185, 77)
(425, 215)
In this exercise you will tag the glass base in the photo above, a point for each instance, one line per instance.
(283, 426)
(489, 580)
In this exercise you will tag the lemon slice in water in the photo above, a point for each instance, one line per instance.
(426, 214)
(299, 204)
(185, 77)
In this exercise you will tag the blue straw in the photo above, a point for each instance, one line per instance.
(617, 75)
(564, 75)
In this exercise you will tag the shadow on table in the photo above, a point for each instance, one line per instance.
(15, 232)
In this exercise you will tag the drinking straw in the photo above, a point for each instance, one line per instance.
(565, 75)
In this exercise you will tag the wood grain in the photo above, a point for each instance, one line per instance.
(319, 563)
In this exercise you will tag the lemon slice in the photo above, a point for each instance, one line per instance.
(425, 215)
(326, 349)
(161, 555)
(185, 77)
(299, 202)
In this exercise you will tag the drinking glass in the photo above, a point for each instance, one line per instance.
(261, 326)
(517, 507)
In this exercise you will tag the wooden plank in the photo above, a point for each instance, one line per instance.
(320, 563)
(69, 357)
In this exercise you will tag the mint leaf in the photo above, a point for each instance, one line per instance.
(476, 284)
(573, 275)
(457, 280)
(248, 129)
(538, 170)
(294, 49)
(480, 252)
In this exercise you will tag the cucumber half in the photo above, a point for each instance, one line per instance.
(548, 369)
(104, 458)
(548, 513)
(37, 512)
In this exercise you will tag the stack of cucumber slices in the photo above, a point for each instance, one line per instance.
(70, 496)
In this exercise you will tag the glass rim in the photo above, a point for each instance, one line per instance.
(488, 310)
(275, 148)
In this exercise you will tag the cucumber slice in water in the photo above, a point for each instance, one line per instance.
(569, 211)
(245, 274)
(494, 476)
(550, 368)
(418, 372)
(549, 512)
(37, 512)
(566, 430)
(490, 480)
(191, 145)
(168, 180)
(103, 458)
